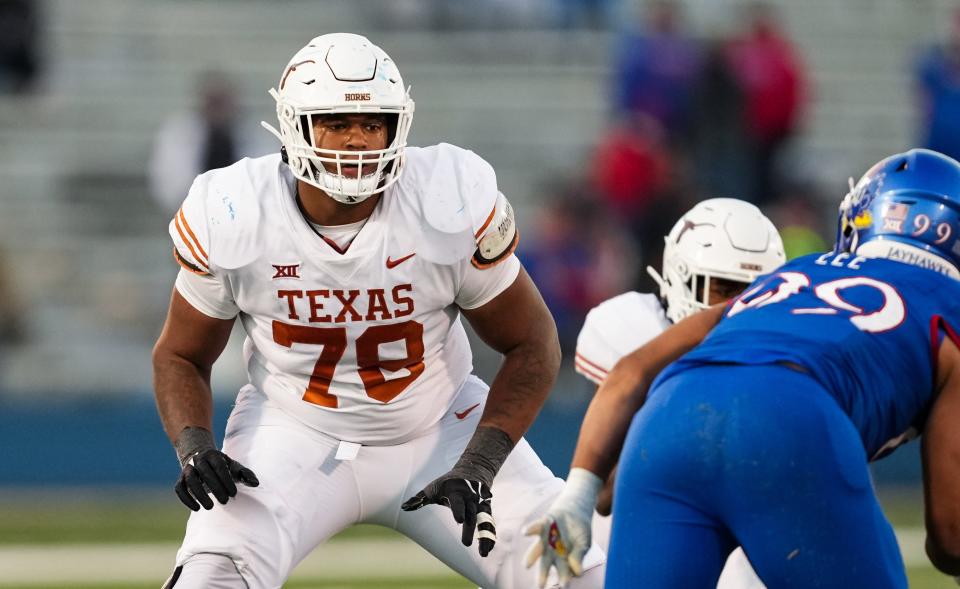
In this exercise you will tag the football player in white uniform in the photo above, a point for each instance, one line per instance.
(712, 253)
(349, 259)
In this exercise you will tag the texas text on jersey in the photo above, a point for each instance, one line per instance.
(365, 343)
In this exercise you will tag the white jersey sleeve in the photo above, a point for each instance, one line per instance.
(614, 328)
(479, 286)
(189, 230)
(212, 232)
(207, 294)
(492, 219)
(479, 217)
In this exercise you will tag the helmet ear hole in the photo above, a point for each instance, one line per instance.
(306, 126)
(701, 289)
(392, 123)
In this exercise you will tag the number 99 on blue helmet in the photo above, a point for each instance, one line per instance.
(905, 208)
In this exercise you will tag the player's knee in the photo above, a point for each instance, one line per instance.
(206, 571)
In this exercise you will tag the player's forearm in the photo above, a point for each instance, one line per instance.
(625, 389)
(518, 392)
(607, 420)
(521, 386)
(182, 392)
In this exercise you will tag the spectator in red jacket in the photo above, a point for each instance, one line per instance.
(770, 73)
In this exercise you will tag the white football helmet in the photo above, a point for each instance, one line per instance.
(718, 238)
(342, 73)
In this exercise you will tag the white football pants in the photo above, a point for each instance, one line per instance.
(307, 494)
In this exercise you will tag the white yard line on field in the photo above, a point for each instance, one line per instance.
(341, 559)
(92, 563)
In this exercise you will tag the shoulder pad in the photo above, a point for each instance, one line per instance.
(457, 194)
(216, 225)
(614, 328)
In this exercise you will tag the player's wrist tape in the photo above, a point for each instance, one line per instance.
(580, 492)
(191, 441)
(484, 455)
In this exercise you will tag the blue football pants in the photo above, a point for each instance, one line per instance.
(758, 456)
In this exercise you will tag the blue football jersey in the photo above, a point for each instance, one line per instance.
(867, 329)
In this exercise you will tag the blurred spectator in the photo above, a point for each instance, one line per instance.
(770, 73)
(655, 70)
(12, 324)
(938, 81)
(19, 39)
(631, 167)
(720, 145)
(212, 135)
(577, 257)
(641, 183)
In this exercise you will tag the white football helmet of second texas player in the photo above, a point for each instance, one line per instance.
(334, 74)
(722, 238)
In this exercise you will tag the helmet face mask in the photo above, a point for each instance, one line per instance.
(718, 244)
(685, 292)
(342, 74)
(907, 208)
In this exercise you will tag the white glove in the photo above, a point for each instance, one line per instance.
(564, 532)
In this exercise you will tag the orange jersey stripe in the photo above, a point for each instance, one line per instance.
(187, 265)
(590, 373)
(486, 223)
(593, 365)
(203, 264)
(196, 241)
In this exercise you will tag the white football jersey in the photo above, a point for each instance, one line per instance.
(614, 328)
(366, 344)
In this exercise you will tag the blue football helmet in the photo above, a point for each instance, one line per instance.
(907, 208)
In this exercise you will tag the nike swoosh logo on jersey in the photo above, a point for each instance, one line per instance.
(465, 412)
(398, 261)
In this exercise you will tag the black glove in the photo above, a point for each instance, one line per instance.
(469, 500)
(207, 470)
(466, 488)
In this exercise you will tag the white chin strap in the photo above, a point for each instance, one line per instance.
(908, 254)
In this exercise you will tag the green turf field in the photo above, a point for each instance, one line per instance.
(452, 582)
(61, 527)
